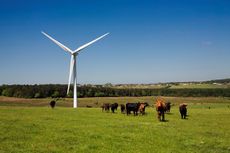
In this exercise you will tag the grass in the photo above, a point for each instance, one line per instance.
(41, 129)
(98, 101)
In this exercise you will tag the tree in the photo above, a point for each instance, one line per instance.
(55, 94)
(99, 94)
(70, 94)
(7, 92)
(108, 85)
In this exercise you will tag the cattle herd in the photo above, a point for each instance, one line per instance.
(161, 106)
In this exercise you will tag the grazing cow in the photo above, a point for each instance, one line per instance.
(132, 107)
(160, 108)
(105, 107)
(114, 107)
(142, 107)
(52, 104)
(167, 107)
(122, 108)
(183, 110)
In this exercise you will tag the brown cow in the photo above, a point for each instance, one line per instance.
(142, 107)
(160, 108)
(106, 107)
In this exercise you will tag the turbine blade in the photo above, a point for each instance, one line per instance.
(70, 72)
(86, 45)
(58, 43)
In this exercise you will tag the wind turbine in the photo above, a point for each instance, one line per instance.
(73, 63)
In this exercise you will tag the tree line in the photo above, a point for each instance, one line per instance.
(56, 90)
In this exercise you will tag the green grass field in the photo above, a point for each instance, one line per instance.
(63, 129)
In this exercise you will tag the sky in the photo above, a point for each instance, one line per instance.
(150, 41)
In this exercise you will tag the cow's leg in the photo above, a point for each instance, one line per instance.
(143, 111)
(185, 114)
(163, 116)
(159, 115)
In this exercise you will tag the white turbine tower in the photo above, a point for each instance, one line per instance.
(73, 63)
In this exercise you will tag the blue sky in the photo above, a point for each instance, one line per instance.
(149, 42)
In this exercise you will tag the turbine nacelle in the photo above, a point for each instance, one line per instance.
(74, 54)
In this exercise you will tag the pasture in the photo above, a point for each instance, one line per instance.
(42, 129)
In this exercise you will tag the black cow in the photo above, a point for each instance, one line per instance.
(122, 108)
(105, 107)
(132, 107)
(114, 107)
(52, 104)
(167, 106)
(183, 110)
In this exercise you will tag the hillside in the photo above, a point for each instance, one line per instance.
(220, 83)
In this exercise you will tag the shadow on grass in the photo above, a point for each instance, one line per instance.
(184, 118)
(169, 113)
(165, 121)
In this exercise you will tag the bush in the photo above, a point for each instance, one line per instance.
(37, 95)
